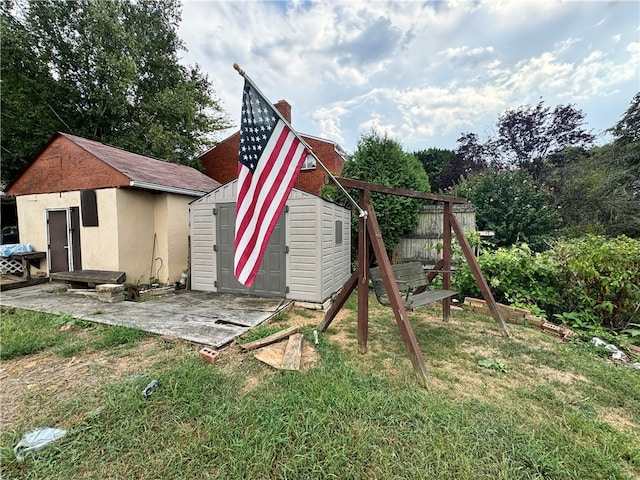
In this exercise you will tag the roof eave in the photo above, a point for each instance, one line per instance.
(167, 189)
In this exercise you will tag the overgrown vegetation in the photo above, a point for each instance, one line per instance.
(107, 70)
(588, 282)
(552, 411)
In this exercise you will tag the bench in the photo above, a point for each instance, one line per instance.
(412, 282)
(84, 278)
(27, 259)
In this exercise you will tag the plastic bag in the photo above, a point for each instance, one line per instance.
(37, 439)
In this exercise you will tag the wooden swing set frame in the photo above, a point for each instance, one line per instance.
(369, 234)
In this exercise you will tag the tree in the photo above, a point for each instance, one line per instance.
(600, 189)
(627, 130)
(107, 70)
(528, 135)
(511, 203)
(435, 162)
(379, 159)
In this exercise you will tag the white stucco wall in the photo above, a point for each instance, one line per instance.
(124, 237)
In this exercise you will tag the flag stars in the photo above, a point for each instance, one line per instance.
(258, 121)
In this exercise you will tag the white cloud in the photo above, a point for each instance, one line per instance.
(421, 71)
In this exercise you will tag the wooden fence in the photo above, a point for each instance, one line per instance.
(425, 244)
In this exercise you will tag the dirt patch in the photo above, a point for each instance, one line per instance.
(617, 420)
(32, 383)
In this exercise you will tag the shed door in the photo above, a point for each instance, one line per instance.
(58, 233)
(271, 278)
(63, 232)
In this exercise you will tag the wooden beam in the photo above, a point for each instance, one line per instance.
(477, 273)
(363, 277)
(340, 300)
(402, 192)
(270, 339)
(293, 352)
(402, 319)
(446, 258)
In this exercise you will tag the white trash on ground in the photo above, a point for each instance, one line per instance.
(37, 439)
(616, 353)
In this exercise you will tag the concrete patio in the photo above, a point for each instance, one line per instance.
(205, 318)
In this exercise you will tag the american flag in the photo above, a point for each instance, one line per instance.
(269, 159)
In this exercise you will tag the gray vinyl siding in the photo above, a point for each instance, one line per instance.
(304, 249)
(203, 267)
(336, 258)
(316, 267)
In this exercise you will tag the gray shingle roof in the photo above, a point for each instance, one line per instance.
(146, 172)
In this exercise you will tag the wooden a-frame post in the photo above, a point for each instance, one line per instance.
(369, 234)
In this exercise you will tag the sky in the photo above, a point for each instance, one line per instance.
(421, 72)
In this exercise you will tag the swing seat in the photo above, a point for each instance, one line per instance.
(412, 283)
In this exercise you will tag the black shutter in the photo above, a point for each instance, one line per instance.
(89, 207)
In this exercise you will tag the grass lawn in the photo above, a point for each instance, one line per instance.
(538, 408)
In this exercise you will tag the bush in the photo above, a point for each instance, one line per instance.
(601, 277)
(594, 278)
(513, 204)
(516, 276)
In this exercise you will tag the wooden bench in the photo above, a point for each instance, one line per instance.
(27, 259)
(413, 285)
(83, 278)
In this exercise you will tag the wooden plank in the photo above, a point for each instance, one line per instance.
(293, 352)
(271, 355)
(270, 339)
(90, 276)
(429, 296)
(363, 278)
(446, 257)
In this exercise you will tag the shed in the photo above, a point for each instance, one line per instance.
(307, 260)
(91, 206)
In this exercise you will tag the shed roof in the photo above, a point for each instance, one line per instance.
(146, 172)
(105, 166)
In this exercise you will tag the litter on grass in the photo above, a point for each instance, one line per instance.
(148, 390)
(37, 439)
(616, 353)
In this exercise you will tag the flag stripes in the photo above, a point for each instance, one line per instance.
(261, 196)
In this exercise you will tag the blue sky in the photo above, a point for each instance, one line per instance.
(422, 72)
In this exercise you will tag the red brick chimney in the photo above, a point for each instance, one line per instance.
(285, 109)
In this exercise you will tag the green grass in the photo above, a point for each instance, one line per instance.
(23, 332)
(351, 416)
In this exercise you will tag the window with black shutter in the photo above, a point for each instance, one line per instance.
(89, 208)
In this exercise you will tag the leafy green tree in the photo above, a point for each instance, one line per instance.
(600, 189)
(626, 153)
(107, 70)
(435, 162)
(627, 130)
(511, 203)
(381, 160)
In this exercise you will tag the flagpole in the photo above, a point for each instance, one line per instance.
(242, 73)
